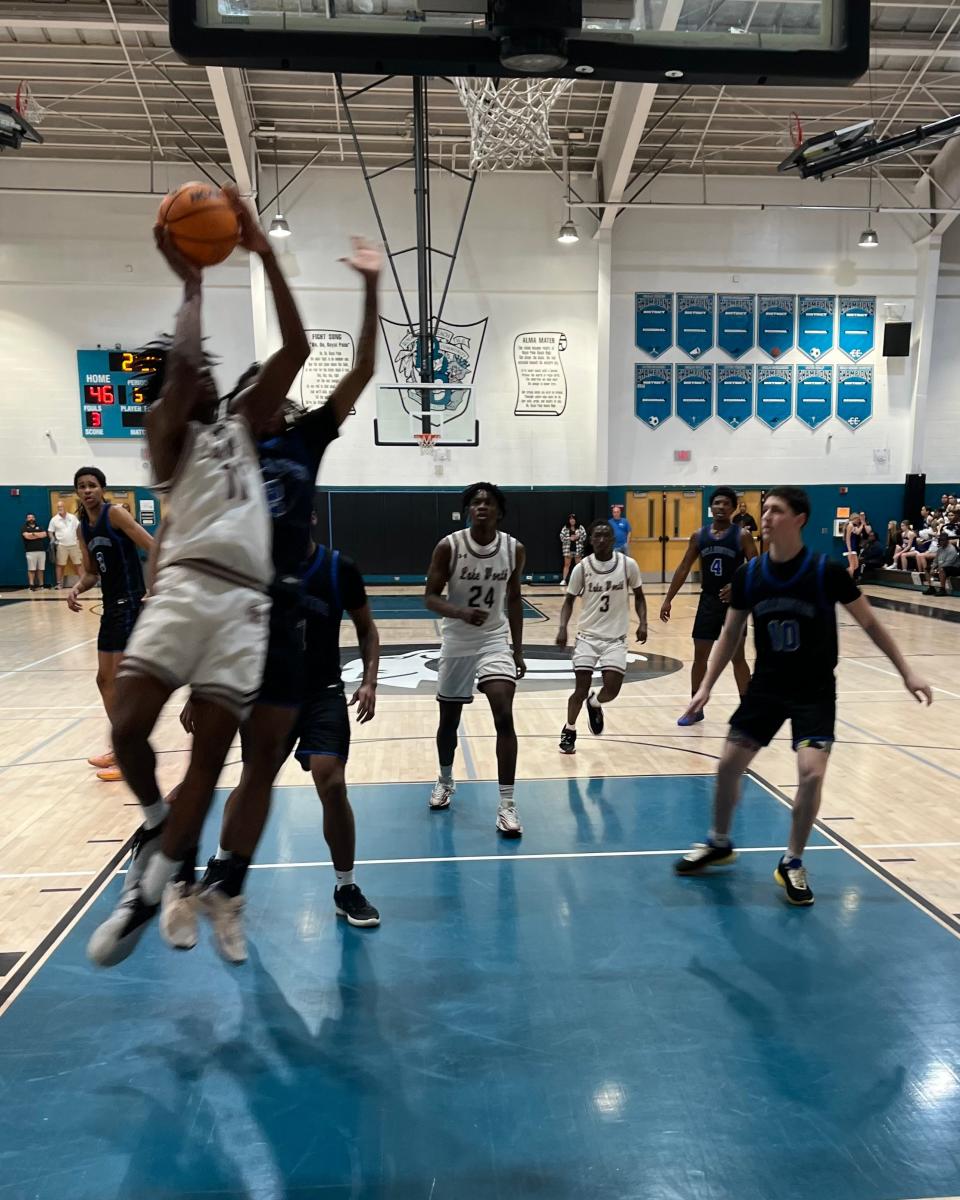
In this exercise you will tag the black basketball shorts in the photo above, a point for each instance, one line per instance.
(117, 622)
(323, 728)
(711, 614)
(284, 669)
(765, 707)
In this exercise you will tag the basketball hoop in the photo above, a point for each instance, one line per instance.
(26, 105)
(427, 442)
(509, 119)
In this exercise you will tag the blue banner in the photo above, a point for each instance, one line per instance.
(654, 322)
(735, 395)
(855, 325)
(695, 323)
(775, 395)
(735, 322)
(854, 395)
(814, 395)
(653, 388)
(694, 395)
(776, 324)
(815, 325)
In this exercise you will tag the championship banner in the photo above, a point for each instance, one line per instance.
(735, 322)
(695, 323)
(855, 325)
(854, 395)
(654, 322)
(775, 395)
(815, 325)
(694, 395)
(776, 324)
(653, 394)
(814, 395)
(735, 395)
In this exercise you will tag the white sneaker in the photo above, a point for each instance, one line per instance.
(226, 917)
(117, 937)
(508, 821)
(442, 794)
(178, 916)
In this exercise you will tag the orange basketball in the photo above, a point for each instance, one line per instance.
(201, 222)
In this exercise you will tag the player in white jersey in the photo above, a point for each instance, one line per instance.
(481, 638)
(606, 579)
(205, 624)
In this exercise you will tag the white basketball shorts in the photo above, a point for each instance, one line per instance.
(203, 631)
(456, 677)
(593, 654)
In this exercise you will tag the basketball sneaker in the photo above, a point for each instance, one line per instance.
(568, 741)
(146, 842)
(226, 916)
(684, 721)
(117, 937)
(107, 759)
(178, 915)
(442, 794)
(508, 821)
(351, 903)
(702, 855)
(594, 715)
(792, 877)
(110, 775)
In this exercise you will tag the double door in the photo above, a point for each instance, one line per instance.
(661, 523)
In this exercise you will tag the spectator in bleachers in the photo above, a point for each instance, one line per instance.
(907, 538)
(867, 527)
(945, 565)
(893, 541)
(872, 553)
(923, 547)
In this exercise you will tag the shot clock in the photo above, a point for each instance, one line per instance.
(111, 392)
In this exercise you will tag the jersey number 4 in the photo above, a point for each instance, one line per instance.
(477, 598)
(784, 636)
(716, 567)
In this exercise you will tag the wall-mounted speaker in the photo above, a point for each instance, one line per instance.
(896, 339)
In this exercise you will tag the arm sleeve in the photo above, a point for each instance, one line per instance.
(838, 586)
(575, 586)
(318, 428)
(353, 591)
(738, 588)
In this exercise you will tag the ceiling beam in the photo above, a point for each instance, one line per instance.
(233, 112)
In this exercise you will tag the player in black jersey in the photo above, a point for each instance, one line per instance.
(792, 594)
(290, 456)
(109, 541)
(721, 547)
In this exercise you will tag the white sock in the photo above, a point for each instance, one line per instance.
(506, 795)
(446, 773)
(572, 728)
(153, 814)
(718, 839)
(344, 878)
(592, 699)
(159, 871)
(221, 854)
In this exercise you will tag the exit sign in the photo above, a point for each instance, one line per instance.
(682, 455)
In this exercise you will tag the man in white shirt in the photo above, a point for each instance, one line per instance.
(63, 530)
(945, 565)
(606, 579)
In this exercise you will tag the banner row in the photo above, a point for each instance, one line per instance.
(735, 324)
(772, 394)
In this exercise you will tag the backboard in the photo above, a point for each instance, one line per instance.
(451, 412)
(795, 42)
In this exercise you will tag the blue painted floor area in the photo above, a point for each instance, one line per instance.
(564, 1028)
(410, 608)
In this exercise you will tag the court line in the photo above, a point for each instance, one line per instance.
(951, 924)
(900, 749)
(883, 671)
(18, 670)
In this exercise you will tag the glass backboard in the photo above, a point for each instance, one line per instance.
(697, 41)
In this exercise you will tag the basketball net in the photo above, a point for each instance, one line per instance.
(427, 442)
(509, 119)
(26, 105)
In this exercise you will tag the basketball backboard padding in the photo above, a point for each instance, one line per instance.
(818, 42)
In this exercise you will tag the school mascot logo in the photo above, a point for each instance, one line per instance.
(455, 357)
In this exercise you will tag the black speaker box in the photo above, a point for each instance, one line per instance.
(896, 339)
(914, 489)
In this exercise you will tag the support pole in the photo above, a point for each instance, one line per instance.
(421, 188)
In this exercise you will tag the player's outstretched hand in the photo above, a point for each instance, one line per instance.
(473, 616)
(252, 237)
(73, 603)
(918, 688)
(642, 633)
(665, 611)
(519, 663)
(562, 635)
(365, 698)
(178, 262)
(365, 258)
(697, 704)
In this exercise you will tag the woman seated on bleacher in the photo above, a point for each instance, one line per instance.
(907, 538)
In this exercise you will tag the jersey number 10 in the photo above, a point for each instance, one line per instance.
(784, 636)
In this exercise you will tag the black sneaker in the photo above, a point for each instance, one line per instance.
(792, 877)
(595, 716)
(351, 903)
(146, 842)
(929, 591)
(117, 937)
(702, 855)
(568, 741)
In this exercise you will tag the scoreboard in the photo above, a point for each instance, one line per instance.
(112, 401)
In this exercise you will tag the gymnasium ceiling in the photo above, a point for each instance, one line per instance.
(114, 90)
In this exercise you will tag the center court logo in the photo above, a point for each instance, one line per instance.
(406, 669)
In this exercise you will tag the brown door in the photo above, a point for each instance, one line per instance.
(683, 515)
(72, 504)
(753, 499)
(645, 514)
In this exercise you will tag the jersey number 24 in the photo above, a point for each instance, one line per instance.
(477, 598)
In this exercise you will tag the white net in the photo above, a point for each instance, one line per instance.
(509, 119)
(26, 104)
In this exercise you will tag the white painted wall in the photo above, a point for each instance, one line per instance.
(942, 440)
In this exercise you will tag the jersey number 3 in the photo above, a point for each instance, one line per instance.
(784, 636)
(475, 601)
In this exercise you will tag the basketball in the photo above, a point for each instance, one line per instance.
(201, 222)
